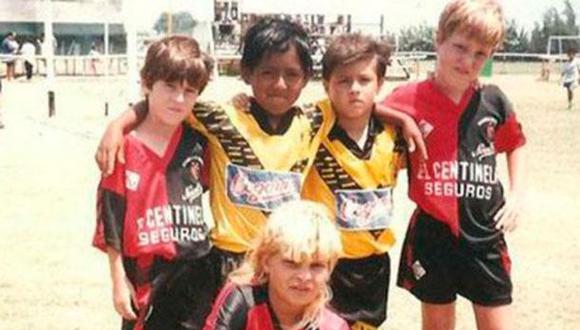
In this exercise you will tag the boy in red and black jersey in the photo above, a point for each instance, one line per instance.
(455, 240)
(149, 212)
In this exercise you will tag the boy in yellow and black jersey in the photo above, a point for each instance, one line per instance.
(354, 173)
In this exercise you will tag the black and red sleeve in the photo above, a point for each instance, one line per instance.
(230, 310)
(111, 207)
(509, 134)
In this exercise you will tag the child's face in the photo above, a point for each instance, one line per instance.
(460, 59)
(352, 88)
(170, 102)
(295, 284)
(277, 81)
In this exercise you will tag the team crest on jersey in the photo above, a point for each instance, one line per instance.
(487, 126)
(194, 162)
(261, 189)
(132, 180)
(425, 127)
(194, 165)
(364, 209)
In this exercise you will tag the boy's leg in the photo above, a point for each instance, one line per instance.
(427, 269)
(493, 317)
(438, 316)
(28, 67)
(485, 280)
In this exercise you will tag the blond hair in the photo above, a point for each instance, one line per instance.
(481, 20)
(301, 231)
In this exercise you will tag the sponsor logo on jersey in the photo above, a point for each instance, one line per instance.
(261, 189)
(171, 223)
(364, 209)
(457, 179)
(191, 193)
(132, 180)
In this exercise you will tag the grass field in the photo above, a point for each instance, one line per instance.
(51, 278)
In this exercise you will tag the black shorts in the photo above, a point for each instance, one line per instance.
(435, 267)
(360, 289)
(224, 262)
(185, 298)
(569, 85)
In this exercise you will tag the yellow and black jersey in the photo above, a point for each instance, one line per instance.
(254, 169)
(357, 185)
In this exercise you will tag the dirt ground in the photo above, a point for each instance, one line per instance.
(51, 277)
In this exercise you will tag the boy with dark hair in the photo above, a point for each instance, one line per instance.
(149, 211)
(354, 174)
(455, 240)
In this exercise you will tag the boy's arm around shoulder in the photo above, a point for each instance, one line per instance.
(409, 128)
(110, 147)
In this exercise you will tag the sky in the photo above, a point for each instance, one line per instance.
(397, 13)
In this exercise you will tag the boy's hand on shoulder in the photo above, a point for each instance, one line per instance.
(506, 219)
(123, 294)
(414, 138)
(111, 148)
(241, 102)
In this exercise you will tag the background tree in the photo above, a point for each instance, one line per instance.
(417, 38)
(516, 39)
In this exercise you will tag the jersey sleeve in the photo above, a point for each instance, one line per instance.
(229, 311)
(321, 117)
(509, 134)
(203, 115)
(111, 207)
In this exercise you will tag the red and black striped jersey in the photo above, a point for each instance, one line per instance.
(458, 184)
(150, 209)
(246, 307)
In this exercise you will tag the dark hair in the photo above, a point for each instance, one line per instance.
(274, 35)
(348, 48)
(176, 59)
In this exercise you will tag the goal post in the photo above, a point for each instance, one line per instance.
(558, 44)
